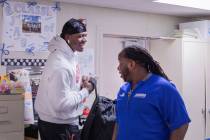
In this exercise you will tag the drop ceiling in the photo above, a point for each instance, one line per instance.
(147, 6)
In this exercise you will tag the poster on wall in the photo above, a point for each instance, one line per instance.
(86, 62)
(28, 28)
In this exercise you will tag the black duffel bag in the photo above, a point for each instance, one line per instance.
(100, 122)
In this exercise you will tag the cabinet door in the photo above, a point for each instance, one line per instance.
(194, 88)
(11, 116)
(12, 136)
(208, 94)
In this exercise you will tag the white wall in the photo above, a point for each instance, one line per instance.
(119, 21)
(111, 21)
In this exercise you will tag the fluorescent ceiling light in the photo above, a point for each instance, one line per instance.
(199, 4)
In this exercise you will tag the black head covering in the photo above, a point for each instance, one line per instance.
(73, 26)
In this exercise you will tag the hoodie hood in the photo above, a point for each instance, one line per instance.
(58, 43)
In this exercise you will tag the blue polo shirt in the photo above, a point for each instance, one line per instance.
(151, 111)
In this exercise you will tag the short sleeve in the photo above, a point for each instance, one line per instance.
(172, 108)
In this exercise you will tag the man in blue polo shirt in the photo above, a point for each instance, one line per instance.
(149, 107)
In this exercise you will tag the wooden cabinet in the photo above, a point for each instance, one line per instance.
(185, 62)
(11, 117)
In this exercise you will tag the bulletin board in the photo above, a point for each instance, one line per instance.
(28, 28)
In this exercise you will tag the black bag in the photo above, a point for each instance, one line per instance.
(99, 124)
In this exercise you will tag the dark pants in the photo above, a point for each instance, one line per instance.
(52, 131)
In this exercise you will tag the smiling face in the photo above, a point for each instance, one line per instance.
(77, 41)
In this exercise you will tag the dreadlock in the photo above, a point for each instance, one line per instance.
(141, 56)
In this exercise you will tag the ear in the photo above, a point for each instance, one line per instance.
(66, 37)
(131, 64)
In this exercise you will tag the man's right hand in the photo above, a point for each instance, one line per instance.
(88, 85)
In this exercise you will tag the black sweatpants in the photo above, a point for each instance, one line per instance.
(52, 131)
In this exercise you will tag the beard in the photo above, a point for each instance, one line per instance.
(125, 74)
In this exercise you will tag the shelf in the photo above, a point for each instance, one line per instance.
(163, 38)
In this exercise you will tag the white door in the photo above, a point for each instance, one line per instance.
(194, 88)
(109, 78)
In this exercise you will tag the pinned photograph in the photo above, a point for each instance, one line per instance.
(31, 24)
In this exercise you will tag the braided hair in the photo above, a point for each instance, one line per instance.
(142, 57)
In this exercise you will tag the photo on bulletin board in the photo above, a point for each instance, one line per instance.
(28, 27)
(31, 24)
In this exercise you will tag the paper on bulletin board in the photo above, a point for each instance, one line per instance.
(28, 28)
(86, 62)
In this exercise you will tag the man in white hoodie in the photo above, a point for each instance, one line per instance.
(61, 92)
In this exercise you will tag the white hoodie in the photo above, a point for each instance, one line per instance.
(59, 99)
